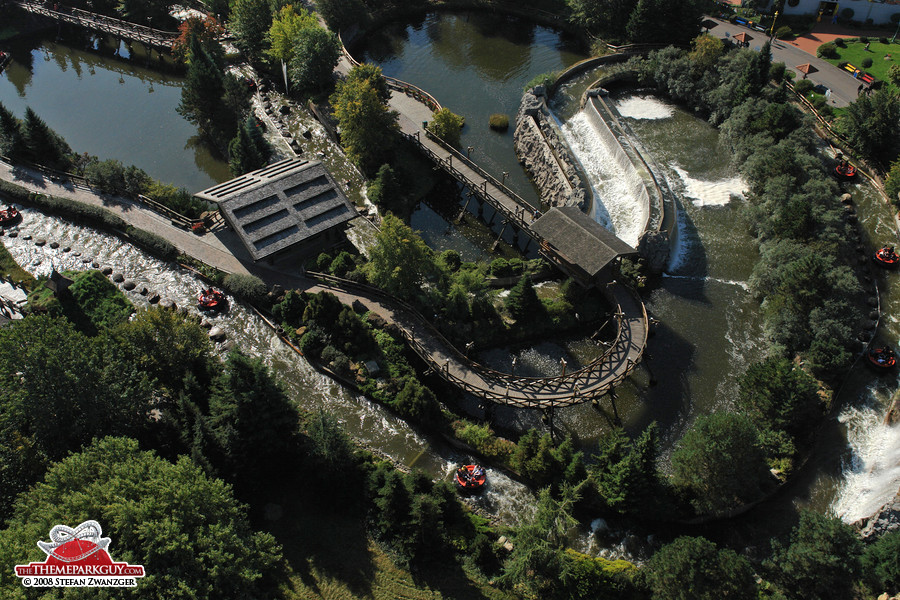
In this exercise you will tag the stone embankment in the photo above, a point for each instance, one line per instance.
(546, 156)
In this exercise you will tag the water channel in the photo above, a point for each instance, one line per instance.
(710, 326)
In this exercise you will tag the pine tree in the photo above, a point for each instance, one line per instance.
(45, 146)
(12, 143)
(243, 156)
(255, 131)
(522, 301)
(203, 91)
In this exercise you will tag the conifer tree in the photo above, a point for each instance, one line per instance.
(12, 143)
(243, 156)
(45, 146)
(522, 300)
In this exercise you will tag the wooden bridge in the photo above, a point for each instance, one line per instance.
(568, 388)
(148, 36)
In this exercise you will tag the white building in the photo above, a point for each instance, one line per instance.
(864, 11)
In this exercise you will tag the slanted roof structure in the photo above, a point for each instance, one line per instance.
(578, 244)
(275, 208)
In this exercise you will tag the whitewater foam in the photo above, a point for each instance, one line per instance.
(644, 107)
(710, 193)
(616, 206)
(871, 476)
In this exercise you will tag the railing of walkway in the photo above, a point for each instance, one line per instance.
(446, 163)
(398, 84)
(575, 387)
(59, 176)
(98, 22)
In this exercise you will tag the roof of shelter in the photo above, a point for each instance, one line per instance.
(580, 239)
(281, 205)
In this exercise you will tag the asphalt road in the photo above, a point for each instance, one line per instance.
(843, 86)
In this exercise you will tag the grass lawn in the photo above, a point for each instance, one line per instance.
(10, 270)
(854, 54)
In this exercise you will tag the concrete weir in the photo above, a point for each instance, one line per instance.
(562, 180)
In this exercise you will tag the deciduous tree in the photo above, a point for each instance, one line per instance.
(446, 126)
(692, 568)
(368, 127)
(316, 51)
(285, 26)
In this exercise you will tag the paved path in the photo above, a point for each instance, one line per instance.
(222, 250)
(843, 86)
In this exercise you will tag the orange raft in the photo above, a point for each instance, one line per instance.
(845, 170)
(9, 216)
(211, 299)
(882, 358)
(886, 257)
(470, 478)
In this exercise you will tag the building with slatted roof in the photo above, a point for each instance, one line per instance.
(289, 206)
(581, 247)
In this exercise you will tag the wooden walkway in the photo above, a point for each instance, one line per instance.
(574, 387)
(122, 29)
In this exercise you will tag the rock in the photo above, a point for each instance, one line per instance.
(377, 321)
(40, 242)
(76, 254)
(118, 277)
(106, 271)
(286, 134)
(154, 299)
(169, 304)
(129, 285)
(95, 264)
(13, 234)
(217, 334)
(847, 199)
(54, 245)
(307, 134)
(300, 331)
(653, 246)
(893, 414)
(284, 110)
(26, 237)
(86, 260)
(205, 324)
(228, 346)
(277, 290)
(67, 249)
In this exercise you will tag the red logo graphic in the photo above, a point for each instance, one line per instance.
(78, 558)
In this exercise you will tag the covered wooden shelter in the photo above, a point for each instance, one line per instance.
(582, 248)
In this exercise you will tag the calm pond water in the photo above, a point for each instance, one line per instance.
(112, 102)
(475, 64)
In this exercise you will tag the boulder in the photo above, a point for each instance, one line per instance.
(118, 277)
(95, 264)
(67, 249)
(129, 285)
(13, 234)
(26, 237)
(284, 110)
(154, 299)
(168, 304)
(653, 247)
(217, 334)
(54, 245)
(40, 242)
(144, 291)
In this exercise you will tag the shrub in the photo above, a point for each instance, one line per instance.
(500, 268)
(847, 14)
(312, 342)
(342, 264)
(863, 39)
(804, 86)
(544, 79)
(784, 32)
(827, 50)
(776, 72)
(446, 125)
(323, 262)
(883, 40)
(866, 63)
(247, 287)
(152, 243)
(840, 43)
(499, 122)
